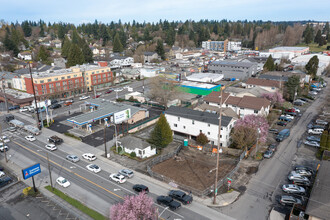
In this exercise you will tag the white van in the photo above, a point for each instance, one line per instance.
(315, 131)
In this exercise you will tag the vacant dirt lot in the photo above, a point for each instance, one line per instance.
(194, 168)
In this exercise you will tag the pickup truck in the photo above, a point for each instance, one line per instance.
(54, 139)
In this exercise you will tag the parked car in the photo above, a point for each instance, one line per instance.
(12, 129)
(98, 95)
(313, 138)
(272, 147)
(62, 182)
(290, 110)
(126, 172)
(94, 168)
(117, 178)
(292, 113)
(298, 103)
(55, 106)
(181, 196)
(54, 139)
(89, 156)
(300, 100)
(281, 123)
(4, 139)
(9, 117)
(291, 188)
(315, 131)
(312, 143)
(289, 200)
(168, 201)
(282, 135)
(84, 97)
(109, 91)
(24, 109)
(3, 147)
(304, 99)
(14, 107)
(268, 154)
(273, 130)
(284, 119)
(298, 179)
(72, 158)
(5, 180)
(303, 172)
(50, 147)
(2, 174)
(30, 138)
(118, 89)
(68, 103)
(306, 168)
(317, 89)
(140, 188)
(318, 126)
(313, 93)
(321, 122)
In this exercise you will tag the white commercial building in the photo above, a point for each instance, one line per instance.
(205, 77)
(19, 83)
(324, 61)
(191, 123)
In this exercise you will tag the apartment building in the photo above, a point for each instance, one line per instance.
(228, 46)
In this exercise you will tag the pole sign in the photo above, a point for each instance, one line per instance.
(31, 171)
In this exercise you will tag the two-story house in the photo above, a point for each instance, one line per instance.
(149, 56)
(191, 123)
(269, 85)
(242, 106)
(121, 61)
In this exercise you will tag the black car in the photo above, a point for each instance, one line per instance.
(54, 139)
(54, 101)
(55, 106)
(272, 147)
(14, 107)
(292, 113)
(273, 130)
(5, 180)
(168, 201)
(305, 100)
(140, 188)
(281, 123)
(181, 196)
(1, 168)
(137, 104)
(9, 118)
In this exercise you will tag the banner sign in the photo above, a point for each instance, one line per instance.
(122, 116)
(31, 171)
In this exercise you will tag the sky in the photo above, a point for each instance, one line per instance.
(105, 11)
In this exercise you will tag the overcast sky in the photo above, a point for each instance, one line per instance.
(105, 11)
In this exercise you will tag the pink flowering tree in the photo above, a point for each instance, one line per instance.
(274, 97)
(140, 207)
(254, 122)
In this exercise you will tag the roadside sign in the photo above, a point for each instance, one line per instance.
(229, 179)
(31, 171)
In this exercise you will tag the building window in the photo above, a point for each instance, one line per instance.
(68, 77)
(102, 71)
(200, 131)
(176, 125)
(41, 81)
(256, 111)
(193, 122)
(208, 133)
(49, 80)
(242, 108)
(221, 128)
(208, 125)
(140, 152)
(55, 79)
(178, 118)
(184, 127)
(62, 77)
(74, 75)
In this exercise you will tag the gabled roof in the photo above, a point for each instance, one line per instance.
(263, 82)
(205, 117)
(249, 102)
(233, 63)
(149, 53)
(273, 77)
(131, 142)
(225, 111)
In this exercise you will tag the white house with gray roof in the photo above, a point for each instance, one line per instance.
(191, 123)
(141, 148)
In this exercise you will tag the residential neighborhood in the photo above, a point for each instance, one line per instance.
(164, 119)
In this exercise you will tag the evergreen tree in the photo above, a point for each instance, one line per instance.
(269, 65)
(291, 87)
(170, 36)
(26, 29)
(202, 139)
(318, 37)
(308, 34)
(61, 31)
(312, 66)
(146, 34)
(117, 46)
(75, 56)
(42, 31)
(160, 49)
(10, 45)
(326, 29)
(43, 55)
(161, 136)
(88, 54)
(75, 38)
(66, 45)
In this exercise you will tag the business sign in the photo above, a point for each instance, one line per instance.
(122, 116)
(31, 171)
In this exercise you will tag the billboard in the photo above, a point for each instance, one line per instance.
(31, 171)
(122, 116)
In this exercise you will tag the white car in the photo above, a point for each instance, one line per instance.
(62, 182)
(84, 97)
(312, 143)
(89, 156)
(24, 109)
(30, 138)
(4, 139)
(94, 168)
(117, 178)
(313, 93)
(118, 90)
(296, 109)
(3, 147)
(2, 174)
(50, 147)
(288, 116)
(315, 131)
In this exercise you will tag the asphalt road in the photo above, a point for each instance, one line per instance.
(259, 197)
(95, 190)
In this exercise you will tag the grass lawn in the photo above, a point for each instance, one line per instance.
(314, 47)
(93, 214)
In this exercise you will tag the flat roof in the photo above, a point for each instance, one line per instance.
(289, 48)
(198, 85)
(233, 63)
(105, 109)
(204, 75)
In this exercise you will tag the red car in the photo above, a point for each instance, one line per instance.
(97, 96)
(109, 91)
(290, 110)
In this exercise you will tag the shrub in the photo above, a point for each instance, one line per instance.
(120, 149)
(133, 154)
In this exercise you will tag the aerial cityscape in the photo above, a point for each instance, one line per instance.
(147, 110)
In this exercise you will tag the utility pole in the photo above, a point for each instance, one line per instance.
(5, 95)
(105, 142)
(3, 145)
(50, 173)
(35, 98)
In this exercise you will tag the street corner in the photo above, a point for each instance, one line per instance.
(222, 200)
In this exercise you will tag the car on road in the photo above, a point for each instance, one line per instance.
(268, 154)
(313, 138)
(272, 147)
(118, 89)
(5, 180)
(98, 95)
(62, 182)
(12, 129)
(24, 109)
(109, 91)
(72, 158)
(4, 139)
(126, 172)
(140, 188)
(84, 97)
(2, 174)
(168, 201)
(14, 107)
(291, 188)
(281, 123)
(273, 130)
(67, 103)
(55, 139)
(181, 196)
(94, 168)
(303, 172)
(316, 131)
(117, 178)
(321, 122)
(55, 106)
(30, 138)
(289, 200)
(89, 156)
(50, 147)
(312, 143)
(3, 147)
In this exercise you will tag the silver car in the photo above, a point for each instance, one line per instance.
(291, 188)
(72, 158)
(126, 172)
(312, 143)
